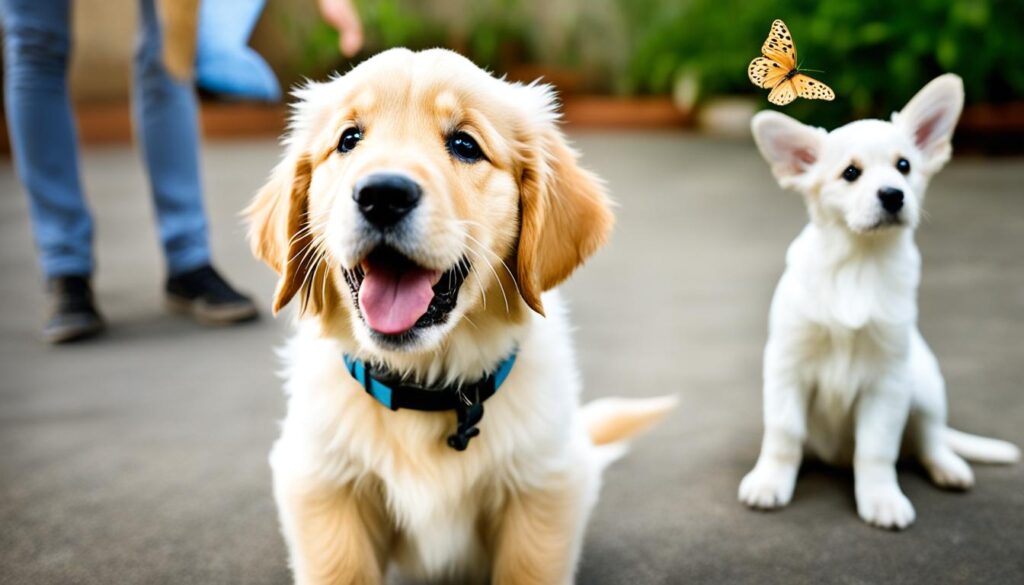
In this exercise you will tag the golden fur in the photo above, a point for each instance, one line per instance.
(359, 486)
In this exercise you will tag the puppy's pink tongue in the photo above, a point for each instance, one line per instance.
(392, 301)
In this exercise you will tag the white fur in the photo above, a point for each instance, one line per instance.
(532, 430)
(847, 374)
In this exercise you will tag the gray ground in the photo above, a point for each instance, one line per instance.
(141, 457)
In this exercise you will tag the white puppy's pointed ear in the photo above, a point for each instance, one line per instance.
(930, 118)
(791, 148)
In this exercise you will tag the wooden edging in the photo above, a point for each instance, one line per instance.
(110, 123)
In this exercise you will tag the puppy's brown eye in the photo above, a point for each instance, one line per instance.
(851, 174)
(463, 147)
(903, 166)
(349, 138)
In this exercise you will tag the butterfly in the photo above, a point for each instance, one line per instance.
(777, 70)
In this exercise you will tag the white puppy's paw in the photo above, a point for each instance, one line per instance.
(948, 470)
(885, 507)
(767, 487)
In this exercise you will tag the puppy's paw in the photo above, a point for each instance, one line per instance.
(885, 507)
(767, 487)
(948, 470)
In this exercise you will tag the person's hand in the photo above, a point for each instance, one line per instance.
(343, 16)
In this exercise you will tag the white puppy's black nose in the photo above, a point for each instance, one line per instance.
(385, 198)
(892, 199)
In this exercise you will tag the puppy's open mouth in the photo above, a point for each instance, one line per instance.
(395, 295)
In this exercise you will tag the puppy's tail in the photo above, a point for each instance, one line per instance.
(981, 449)
(611, 421)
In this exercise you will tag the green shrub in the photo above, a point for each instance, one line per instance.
(497, 34)
(875, 54)
(490, 32)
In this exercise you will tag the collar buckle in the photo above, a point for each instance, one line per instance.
(394, 392)
(469, 411)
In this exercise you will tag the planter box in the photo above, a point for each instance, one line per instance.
(991, 129)
(110, 123)
(610, 112)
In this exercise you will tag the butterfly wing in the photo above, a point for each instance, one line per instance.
(812, 89)
(779, 46)
(765, 72)
(779, 60)
(783, 93)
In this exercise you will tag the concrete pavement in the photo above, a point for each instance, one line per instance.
(141, 457)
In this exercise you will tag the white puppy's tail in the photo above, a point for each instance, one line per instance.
(611, 421)
(981, 449)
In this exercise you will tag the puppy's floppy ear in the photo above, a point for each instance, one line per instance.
(791, 148)
(278, 226)
(565, 215)
(930, 118)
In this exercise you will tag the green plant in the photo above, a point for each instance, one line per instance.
(398, 23)
(874, 53)
(497, 34)
(485, 32)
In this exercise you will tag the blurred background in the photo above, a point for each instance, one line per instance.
(657, 63)
(141, 456)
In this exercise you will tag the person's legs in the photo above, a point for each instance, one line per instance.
(166, 122)
(36, 47)
(42, 132)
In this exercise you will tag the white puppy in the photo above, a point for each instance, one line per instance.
(846, 372)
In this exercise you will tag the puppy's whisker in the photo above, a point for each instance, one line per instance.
(301, 251)
(463, 267)
(308, 227)
(314, 241)
(496, 278)
(515, 283)
(309, 276)
(305, 288)
(323, 286)
(479, 281)
(481, 247)
(470, 321)
(312, 247)
(314, 270)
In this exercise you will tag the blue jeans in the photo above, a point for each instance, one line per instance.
(37, 43)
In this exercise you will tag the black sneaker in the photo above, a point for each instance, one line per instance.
(73, 314)
(206, 296)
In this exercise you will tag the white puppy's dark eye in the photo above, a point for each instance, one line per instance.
(851, 174)
(903, 166)
(464, 147)
(349, 138)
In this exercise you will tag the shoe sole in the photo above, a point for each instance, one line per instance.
(214, 316)
(71, 334)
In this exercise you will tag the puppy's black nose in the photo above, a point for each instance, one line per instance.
(385, 198)
(892, 199)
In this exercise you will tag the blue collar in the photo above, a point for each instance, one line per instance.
(466, 399)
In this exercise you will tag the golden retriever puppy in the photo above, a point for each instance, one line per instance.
(421, 215)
